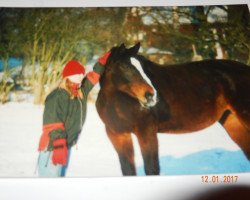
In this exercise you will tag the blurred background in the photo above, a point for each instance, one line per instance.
(35, 43)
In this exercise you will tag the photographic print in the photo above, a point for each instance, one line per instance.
(125, 91)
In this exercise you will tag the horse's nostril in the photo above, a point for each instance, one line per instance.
(148, 95)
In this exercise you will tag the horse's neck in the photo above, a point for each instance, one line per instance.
(107, 88)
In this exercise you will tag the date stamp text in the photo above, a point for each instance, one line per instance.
(219, 179)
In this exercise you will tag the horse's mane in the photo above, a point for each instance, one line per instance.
(148, 66)
(145, 60)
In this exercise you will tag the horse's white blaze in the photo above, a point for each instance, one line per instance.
(138, 66)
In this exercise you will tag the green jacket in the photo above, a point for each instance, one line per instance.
(60, 108)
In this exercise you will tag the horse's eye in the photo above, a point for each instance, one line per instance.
(125, 66)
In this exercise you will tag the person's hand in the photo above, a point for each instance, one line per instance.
(60, 152)
(104, 58)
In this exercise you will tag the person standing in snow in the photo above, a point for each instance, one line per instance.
(64, 116)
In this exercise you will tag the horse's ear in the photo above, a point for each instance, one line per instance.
(134, 50)
(122, 46)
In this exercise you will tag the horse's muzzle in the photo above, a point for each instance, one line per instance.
(150, 101)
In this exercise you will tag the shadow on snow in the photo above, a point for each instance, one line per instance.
(214, 161)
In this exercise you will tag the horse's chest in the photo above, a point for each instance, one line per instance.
(117, 117)
(118, 120)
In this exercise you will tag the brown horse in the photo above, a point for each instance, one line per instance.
(141, 97)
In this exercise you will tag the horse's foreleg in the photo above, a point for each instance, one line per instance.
(123, 145)
(238, 132)
(149, 147)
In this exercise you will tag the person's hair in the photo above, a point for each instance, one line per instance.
(63, 84)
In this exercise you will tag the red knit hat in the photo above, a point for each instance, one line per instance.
(73, 67)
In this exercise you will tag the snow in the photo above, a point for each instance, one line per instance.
(94, 155)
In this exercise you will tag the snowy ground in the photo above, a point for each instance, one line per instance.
(20, 130)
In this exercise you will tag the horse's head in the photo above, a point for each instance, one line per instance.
(126, 73)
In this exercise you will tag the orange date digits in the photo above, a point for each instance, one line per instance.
(218, 179)
(230, 179)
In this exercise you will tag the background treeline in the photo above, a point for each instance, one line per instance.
(44, 39)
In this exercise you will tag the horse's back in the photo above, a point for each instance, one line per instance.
(232, 75)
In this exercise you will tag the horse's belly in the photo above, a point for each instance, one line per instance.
(190, 121)
(195, 112)
(184, 127)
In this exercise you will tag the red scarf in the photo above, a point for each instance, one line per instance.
(44, 140)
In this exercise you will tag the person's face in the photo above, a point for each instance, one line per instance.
(73, 83)
(77, 78)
